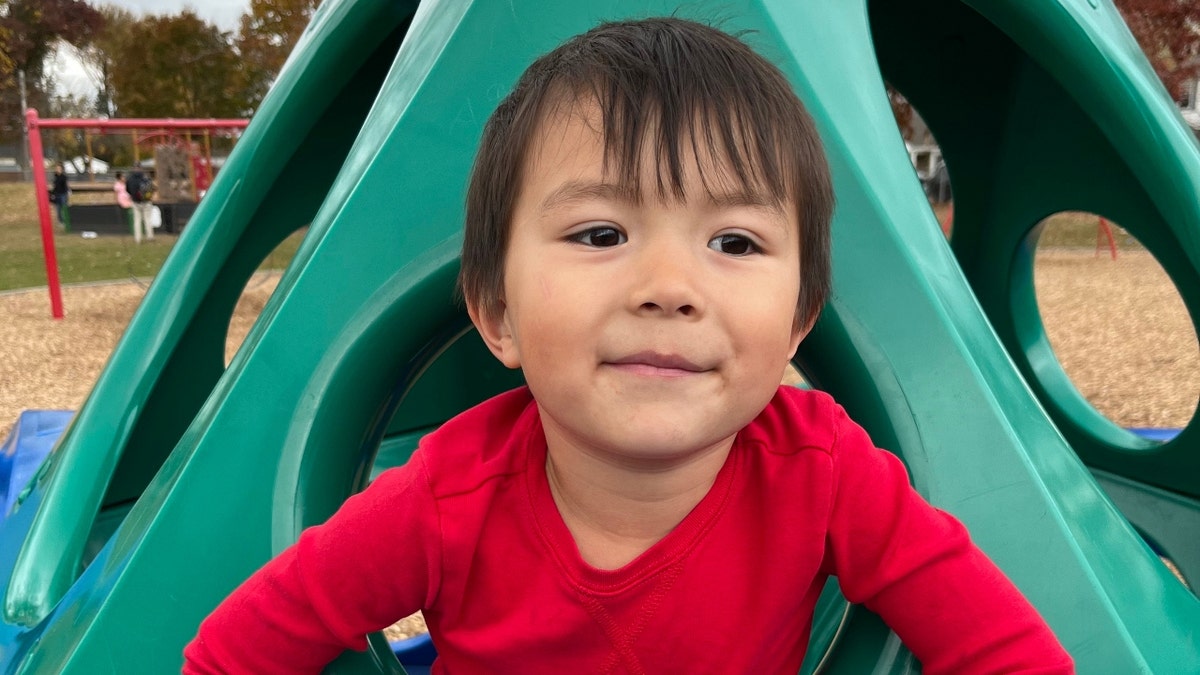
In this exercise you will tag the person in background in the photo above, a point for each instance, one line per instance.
(60, 193)
(126, 204)
(138, 187)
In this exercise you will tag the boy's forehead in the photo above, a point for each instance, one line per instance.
(570, 127)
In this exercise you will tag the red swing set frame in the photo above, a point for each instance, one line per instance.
(37, 162)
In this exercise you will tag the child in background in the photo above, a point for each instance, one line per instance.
(125, 203)
(60, 193)
(647, 238)
(121, 193)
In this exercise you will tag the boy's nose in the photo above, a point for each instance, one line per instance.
(667, 285)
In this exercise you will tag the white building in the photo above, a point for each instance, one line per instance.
(1188, 100)
(79, 165)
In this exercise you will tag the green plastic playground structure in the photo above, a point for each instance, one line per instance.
(180, 476)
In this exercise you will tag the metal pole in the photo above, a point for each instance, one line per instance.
(212, 172)
(26, 169)
(191, 163)
(40, 191)
(87, 141)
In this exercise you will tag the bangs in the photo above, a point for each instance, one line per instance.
(681, 97)
(725, 149)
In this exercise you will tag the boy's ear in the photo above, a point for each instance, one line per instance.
(799, 332)
(798, 335)
(493, 327)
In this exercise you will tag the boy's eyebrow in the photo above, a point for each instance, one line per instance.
(745, 198)
(577, 191)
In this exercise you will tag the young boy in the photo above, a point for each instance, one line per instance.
(647, 238)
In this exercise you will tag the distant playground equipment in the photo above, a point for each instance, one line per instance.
(178, 477)
(183, 171)
(1104, 231)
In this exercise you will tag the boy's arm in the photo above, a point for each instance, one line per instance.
(918, 569)
(370, 565)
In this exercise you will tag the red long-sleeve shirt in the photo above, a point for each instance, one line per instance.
(468, 532)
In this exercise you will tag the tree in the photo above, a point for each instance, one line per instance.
(29, 30)
(6, 64)
(175, 66)
(1168, 31)
(902, 110)
(267, 35)
(65, 143)
(32, 27)
(101, 57)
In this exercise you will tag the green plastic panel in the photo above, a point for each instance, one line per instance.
(1033, 117)
(368, 137)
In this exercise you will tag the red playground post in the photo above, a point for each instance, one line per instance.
(39, 187)
(948, 220)
(1103, 230)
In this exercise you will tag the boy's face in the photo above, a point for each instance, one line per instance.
(651, 330)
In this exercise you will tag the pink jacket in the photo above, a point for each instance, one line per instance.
(123, 199)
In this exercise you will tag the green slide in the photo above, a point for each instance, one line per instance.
(179, 476)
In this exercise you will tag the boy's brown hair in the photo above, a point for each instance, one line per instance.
(666, 82)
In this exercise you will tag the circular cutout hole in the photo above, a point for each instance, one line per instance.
(258, 290)
(925, 155)
(1116, 323)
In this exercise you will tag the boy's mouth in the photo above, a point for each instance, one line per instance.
(658, 363)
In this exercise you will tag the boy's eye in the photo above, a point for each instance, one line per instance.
(600, 237)
(733, 244)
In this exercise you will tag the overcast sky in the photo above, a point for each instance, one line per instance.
(223, 13)
(73, 78)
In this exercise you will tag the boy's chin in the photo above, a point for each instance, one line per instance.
(660, 447)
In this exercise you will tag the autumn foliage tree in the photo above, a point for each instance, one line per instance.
(267, 35)
(31, 27)
(175, 66)
(1168, 31)
(29, 30)
(113, 42)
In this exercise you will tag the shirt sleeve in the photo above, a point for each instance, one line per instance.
(917, 568)
(370, 565)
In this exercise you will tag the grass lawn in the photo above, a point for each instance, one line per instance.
(103, 258)
(1075, 229)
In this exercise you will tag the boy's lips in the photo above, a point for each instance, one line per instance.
(658, 362)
